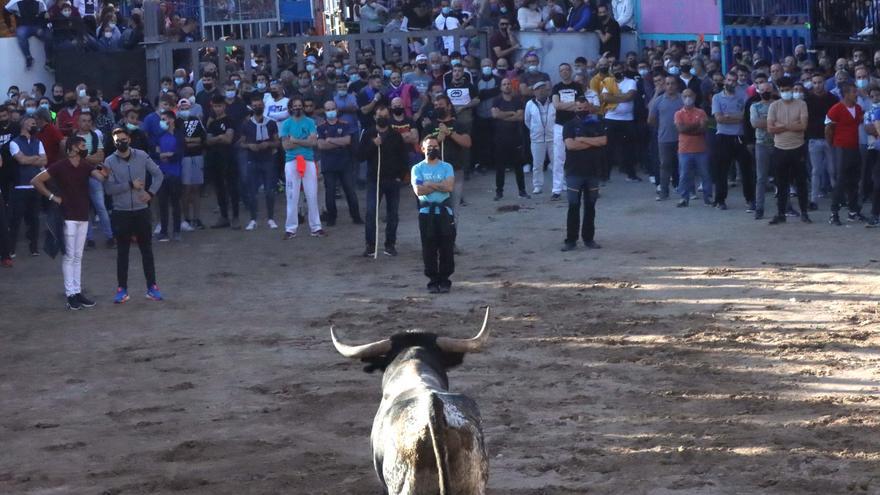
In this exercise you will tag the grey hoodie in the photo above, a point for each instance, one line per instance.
(123, 172)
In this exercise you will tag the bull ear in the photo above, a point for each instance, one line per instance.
(364, 351)
(475, 344)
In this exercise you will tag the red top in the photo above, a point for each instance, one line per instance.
(846, 125)
(51, 138)
(73, 187)
(66, 120)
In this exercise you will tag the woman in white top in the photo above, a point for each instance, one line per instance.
(530, 17)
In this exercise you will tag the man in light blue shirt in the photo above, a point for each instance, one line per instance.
(299, 136)
(432, 181)
(728, 108)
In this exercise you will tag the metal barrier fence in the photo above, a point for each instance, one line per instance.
(766, 8)
(288, 52)
(835, 18)
(773, 44)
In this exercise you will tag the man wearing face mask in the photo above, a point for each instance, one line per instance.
(584, 137)
(463, 94)
(689, 80)
(763, 144)
(433, 181)
(448, 20)
(787, 121)
(95, 146)
(540, 118)
(29, 154)
(842, 131)
(299, 136)
(210, 90)
(578, 18)
(8, 172)
(406, 127)
(608, 31)
(598, 78)
(220, 162)
(126, 184)
(67, 117)
(368, 99)
(152, 127)
(693, 154)
(532, 74)
(260, 141)
(170, 148)
(507, 115)
(419, 78)
(661, 114)
(863, 83)
(276, 104)
(391, 172)
(335, 143)
(71, 180)
(728, 110)
(455, 144)
(564, 96)
(619, 97)
(192, 175)
(488, 87)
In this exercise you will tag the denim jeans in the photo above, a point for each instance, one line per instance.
(169, 197)
(823, 173)
(687, 163)
(344, 179)
(96, 195)
(23, 35)
(390, 189)
(668, 167)
(588, 187)
(261, 172)
(763, 159)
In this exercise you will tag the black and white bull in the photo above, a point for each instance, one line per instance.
(426, 440)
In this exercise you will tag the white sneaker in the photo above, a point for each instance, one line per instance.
(158, 228)
(186, 227)
(652, 179)
(527, 169)
(251, 225)
(272, 225)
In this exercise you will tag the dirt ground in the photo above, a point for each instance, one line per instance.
(698, 352)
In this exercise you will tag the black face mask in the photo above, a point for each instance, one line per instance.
(423, 67)
(208, 87)
(297, 112)
(442, 113)
(603, 70)
(70, 103)
(618, 76)
(766, 96)
(685, 69)
(582, 115)
(34, 130)
(58, 98)
(364, 74)
(135, 102)
(82, 153)
(382, 122)
(122, 146)
(730, 88)
(397, 111)
(433, 154)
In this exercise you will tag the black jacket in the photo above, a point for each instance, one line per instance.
(394, 155)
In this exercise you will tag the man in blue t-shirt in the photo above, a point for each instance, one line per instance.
(432, 181)
(299, 136)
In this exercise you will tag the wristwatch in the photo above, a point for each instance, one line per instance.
(51, 197)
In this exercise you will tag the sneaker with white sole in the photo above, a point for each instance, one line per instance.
(272, 225)
(186, 227)
(251, 225)
(157, 229)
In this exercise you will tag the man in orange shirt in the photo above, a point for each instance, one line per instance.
(692, 153)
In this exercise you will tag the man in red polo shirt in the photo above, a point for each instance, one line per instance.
(49, 135)
(842, 132)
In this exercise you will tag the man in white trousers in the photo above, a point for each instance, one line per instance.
(540, 119)
(71, 179)
(299, 136)
(564, 94)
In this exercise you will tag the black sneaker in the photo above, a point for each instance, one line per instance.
(434, 288)
(759, 214)
(28, 63)
(722, 205)
(390, 251)
(498, 197)
(368, 252)
(198, 224)
(814, 207)
(856, 217)
(524, 195)
(791, 212)
(111, 243)
(592, 245)
(90, 244)
(633, 178)
(750, 207)
(85, 301)
(682, 204)
(778, 219)
(444, 288)
(873, 222)
(806, 218)
(569, 246)
(73, 303)
(223, 223)
(835, 219)
(555, 197)
(357, 221)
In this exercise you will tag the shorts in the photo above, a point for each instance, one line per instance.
(193, 170)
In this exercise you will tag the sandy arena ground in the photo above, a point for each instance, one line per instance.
(698, 352)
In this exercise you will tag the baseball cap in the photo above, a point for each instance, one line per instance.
(421, 57)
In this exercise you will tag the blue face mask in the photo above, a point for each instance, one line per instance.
(30, 110)
(338, 71)
(230, 94)
(261, 86)
(446, 10)
(163, 125)
(179, 81)
(331, 114)
(131, 127)
(455, 62)
(674, 70)
(487, 71)
(183, 114)
(354, 78)
(386, 73)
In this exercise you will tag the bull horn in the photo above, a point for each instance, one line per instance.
(361, 351)
(467, 345)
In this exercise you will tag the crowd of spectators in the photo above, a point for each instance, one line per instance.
(802, 127)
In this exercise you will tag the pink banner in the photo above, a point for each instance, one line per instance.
(680, 17)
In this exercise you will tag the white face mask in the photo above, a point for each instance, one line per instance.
(798, 96)
(688, 101)
(786, 95)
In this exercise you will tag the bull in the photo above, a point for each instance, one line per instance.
(426, 440)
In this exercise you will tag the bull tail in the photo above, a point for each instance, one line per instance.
(437, 429)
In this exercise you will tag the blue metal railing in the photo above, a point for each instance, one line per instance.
(772, 43)
(766, 8)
